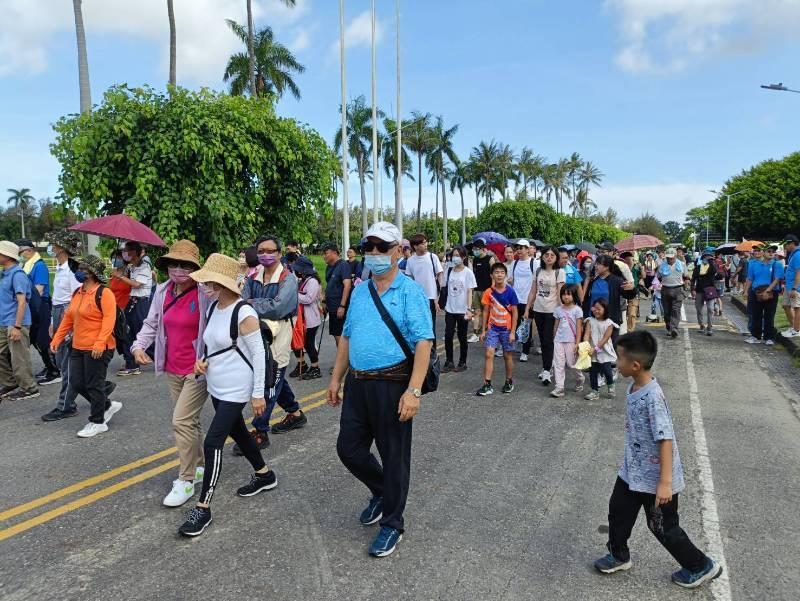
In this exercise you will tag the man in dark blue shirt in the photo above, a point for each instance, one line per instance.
(338, 277)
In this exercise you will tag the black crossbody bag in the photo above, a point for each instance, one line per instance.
(431, 382)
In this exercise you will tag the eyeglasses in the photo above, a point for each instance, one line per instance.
(267, 251)
(382, 246)
(181, 265)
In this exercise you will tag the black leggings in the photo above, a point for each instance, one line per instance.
(87, 377)
(545, 322)
(228, 421)
(310, 345)
(453, 321)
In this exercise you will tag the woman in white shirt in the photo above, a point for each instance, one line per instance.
(460, 282)
(234, 367)
(544, 298)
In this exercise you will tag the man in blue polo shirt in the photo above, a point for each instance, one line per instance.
(791, 290)
(761, 290)
(16, 378)
(382, 390)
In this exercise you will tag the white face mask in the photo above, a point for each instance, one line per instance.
(456, 260)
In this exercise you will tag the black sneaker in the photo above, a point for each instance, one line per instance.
(460, 367)
(674, 333)
(508, 386)
(258, 483)
(21, 395)
(448, 367)
(41, 373)
(312, 374)
(198, 520)
(709, 332)
(57, 414)
(290, 422)
(5, 390)
(298, 370)
(485, 390)
(50, 378)
(261, 438)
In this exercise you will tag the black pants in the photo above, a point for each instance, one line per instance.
(623, 509)
(87, 377)
(369, 413)
(310, 345)
(40, 334)
(453, 322)
(763, 322)
(228, 421)
(607, 369)
(433, 317)
(544, 325)
(135, 314)
(522, 313)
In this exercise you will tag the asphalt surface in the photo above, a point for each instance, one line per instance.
(508, 495)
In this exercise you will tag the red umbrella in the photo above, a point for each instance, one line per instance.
(638, 241)
(121, 227)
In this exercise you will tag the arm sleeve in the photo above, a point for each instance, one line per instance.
(109, 307)
(418, 315)
(147, 335)
(258, 357)
(40, 275)
(310, 292)
(282, 304)
(660, 418)
(66, 324)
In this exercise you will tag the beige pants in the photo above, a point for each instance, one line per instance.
(633, 314)
(15, 360)
(189, 397)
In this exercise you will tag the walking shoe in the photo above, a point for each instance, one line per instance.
(485, 390)
(125, 372)
(373, 512)
(546, 378)
(57, 414)
(612, 391)
(769, 342)
(109, 413)
(674, 333)
(508, 387)
(608, 564)
(579, 387)
(540, 374)
(48, 378)
(557, 393)
(181, 492)
(702, 329)
(460, 367)
(290, 422)
(21, 395)
(592, 396)
(448, 367)
(614, 374)
(257, 484)
(312, 374)
(752, 340)
(473, 338)
(198, 520)
(601, 380)
(668, 334)
(790, 333)
(709, 332)
(4, 390)
(92, 429)
(523, 358)
(261, 438)
(686, 579)
(41, 373)
(386, 542)
(298, 370)
(199, 472)
(498, 353)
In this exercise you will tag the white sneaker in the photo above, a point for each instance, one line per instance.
(769, 342)
(790, 333)
(601, 380)
(538, 350)
(199, 472)
(752, 340)
(557, 393)
(546, 378)
(115, 406)
(473, 338)
(181, 492)
(523, 357)
(498, 353)
(540, 374)
(92, 429)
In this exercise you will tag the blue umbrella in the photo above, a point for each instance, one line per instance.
(491, 238)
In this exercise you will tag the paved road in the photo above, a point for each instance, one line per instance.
(508, 499)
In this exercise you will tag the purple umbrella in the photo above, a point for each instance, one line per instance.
(491, 238)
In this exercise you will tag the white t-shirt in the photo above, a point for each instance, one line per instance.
(458, 290)
(425, 273)
(606, 354)
(547, 282)
(142, 273)
(228, 377)
(64, 284)
(522, 277)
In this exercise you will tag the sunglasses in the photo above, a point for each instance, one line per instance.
(382, 246)
(181, 265)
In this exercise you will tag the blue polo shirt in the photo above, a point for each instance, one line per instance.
(40, 276)
(13, 281)
(762, 274)
(792, 267)
(372, 345)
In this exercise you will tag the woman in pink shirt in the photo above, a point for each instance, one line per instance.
(308, 289)
(175, 325)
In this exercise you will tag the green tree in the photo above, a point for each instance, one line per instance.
(459, 178)
(485, 159)
(589, 175)
(610, 217)
(646, 223)
(274, 65)
(218, 168)
(21, 199)
(582, 205)
(389, 153)
(417, 139)
(672, 231)
(441, 156)
(574, 166)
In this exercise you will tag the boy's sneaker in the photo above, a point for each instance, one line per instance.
(313, 373)
(546, 378)
(540, 374)
(198, 520)
(557, 393)
(473, 338)
(498, 353)
(686, 579)
(592, 396)
(769, 342)
(579, 387)
(609, 564)
(373, 512)
(92, 429)
(508, 387)
(181, 492)
(790, 333)
(523, 358)
(752, 340)
(199, 472)
(612, 391)
(57, 414)
(109, 413)
(448, 367)
(6, 390)
(709, 332)
(48, 378)
(258, 483)
(290, 422)
(485, 390)
(21, 395)
(460, 367)
(386, 542)
(125, 372)
(702, 330)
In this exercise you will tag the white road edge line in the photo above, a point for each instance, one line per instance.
(721, 587)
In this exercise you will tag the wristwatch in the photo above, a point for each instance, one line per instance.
(416, 392)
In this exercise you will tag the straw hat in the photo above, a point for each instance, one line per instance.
(182, 250)
(96, 266)
(219, 269)
(9, 249)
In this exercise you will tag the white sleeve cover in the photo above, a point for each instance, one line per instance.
(255, 348)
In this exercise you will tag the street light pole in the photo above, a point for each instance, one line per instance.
(779, 87)
(345, 193)
(374, 126)
(728, 210)
(398, 195)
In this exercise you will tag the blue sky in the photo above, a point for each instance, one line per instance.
(662, 95)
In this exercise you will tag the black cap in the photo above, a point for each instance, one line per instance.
(330, 246)
(606, 245)
(787, 239)
(24, 243)
(626, 254)
(479, 243)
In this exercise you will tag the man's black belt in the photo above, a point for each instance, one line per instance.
(396, 373)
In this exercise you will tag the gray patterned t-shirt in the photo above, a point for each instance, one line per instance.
(647, 421)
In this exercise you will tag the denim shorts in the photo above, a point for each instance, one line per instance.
(499, 338)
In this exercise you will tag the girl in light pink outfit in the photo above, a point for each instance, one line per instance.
(568, 334)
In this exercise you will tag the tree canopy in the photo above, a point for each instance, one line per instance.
(216, 168)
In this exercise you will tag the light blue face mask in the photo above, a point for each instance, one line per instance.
(50, 251)
(456, 260)
(378, 264)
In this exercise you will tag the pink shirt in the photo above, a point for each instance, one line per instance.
(181, 324)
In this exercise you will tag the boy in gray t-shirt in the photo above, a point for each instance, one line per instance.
(651, 475)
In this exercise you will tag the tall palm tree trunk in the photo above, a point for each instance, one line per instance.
(251, 49)
(419, 181)
(477, 201)
(463, 218)
(172, 44)
(83, 61)
(444, 214)
(362, 183)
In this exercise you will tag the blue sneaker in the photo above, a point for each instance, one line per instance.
(385, 543)
(609, 564)
(686, 579)
(373, 512)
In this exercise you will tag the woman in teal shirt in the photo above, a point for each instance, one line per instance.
(763, 278)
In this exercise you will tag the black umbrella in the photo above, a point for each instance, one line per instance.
(587, 246)
(727, 249)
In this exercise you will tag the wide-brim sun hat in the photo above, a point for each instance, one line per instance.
(303, 266)
(182, 250)
(69, 241)
(220, 269)
(9, 249)
(96, 266)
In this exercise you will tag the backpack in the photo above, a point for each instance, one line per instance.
(120, 324)
(443, 291)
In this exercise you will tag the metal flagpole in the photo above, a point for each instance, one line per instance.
(374, 126)
(345, 195)
(398, 194)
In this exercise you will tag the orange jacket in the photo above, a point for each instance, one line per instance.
(92, 330)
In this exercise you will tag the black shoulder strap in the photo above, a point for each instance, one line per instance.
(387, 319)
(449, 271)
(98, 298)
(175, 300)
(234, 334)
(514, 268)
(532, 260)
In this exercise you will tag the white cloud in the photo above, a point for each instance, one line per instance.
(668, 202)
(204, 40)
(359, 33)
(667, 36)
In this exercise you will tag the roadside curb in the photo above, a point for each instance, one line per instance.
(792, 345)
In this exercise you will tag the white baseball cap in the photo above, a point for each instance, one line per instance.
(522, 242)
(385, 231)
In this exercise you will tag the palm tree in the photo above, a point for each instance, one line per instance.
(172, 44)
(251, 52)
(473, 178)
(389, 153)
(505, 169)
(537, 173)
(459, 178)
(21, 199)
(581, 204)
(83, 61)
(485, 160)
(440, 152)
(524, 166)
(589, 176)
(574, 165)
(417, 139)
(359, 136)
(274, 66)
